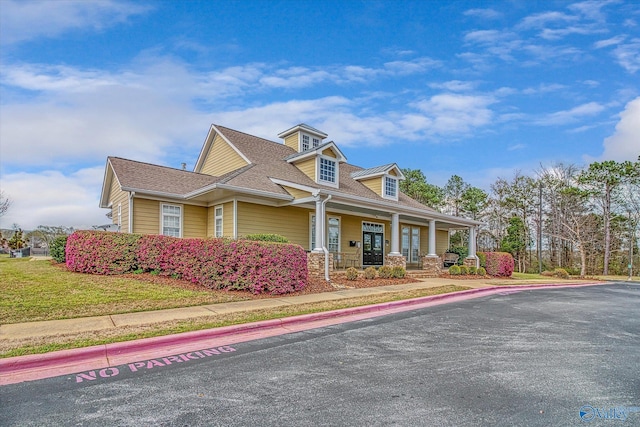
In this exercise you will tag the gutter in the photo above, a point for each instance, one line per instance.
(324, 248)
(131, 194)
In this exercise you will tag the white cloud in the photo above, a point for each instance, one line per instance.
(454, 86)
(26, 20)
(628, 55)
(52, 198)
(483, 13)
(609, 42)
(456, 114)
(569, 116)
(624, 144)
(540, 20)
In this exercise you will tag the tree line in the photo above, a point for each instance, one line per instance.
(582, 219)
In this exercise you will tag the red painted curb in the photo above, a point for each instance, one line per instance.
(103, 353)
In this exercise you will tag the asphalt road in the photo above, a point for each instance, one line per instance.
(529, 358)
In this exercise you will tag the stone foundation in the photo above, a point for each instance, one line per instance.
(432, 265)
(471, 261)
(395, 261)
(315, 264)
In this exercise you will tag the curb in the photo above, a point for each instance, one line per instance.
(39, 366)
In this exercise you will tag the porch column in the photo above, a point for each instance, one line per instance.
(395, 235)
(472, 242)
(472, 260)
(319, 225)
(432, 238)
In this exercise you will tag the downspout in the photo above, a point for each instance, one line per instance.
(324, 248)
(131, 194)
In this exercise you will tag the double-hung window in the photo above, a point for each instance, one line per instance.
(390, 187)
(218, 221)
(305, 142)
(172, 220)
(327, 171)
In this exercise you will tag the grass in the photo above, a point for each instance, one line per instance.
(36, 290)
(39, 345)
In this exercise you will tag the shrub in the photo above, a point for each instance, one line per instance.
(352, 273)
(257, 267)
(101, 252)
(57, 248)
(276, 238)
(454, 270)
(464, 270)
(473, 270)
(462, 252)
(398, 272)
(385, 272)
(561, 273)
(370, 273)
(499, 264)
(481, 271)
(547, 273)
(482, 257)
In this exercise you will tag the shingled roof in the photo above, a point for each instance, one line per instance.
(267, 163)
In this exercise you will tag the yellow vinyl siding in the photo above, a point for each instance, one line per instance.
(146, 216)
(291, 222)
(392, 172)
(119, 197)
(329, 153)
(227, 219)
(194, 221)
(297, 194)
(374, 184)
(442, 241)
(221, 158)
(350, 229)
(424, 240)
(308, 167)
(292, 141)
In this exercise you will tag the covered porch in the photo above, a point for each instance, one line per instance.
(360, 236)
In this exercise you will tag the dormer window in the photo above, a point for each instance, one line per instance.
(391, 187)
(327, 171)
(305, 142)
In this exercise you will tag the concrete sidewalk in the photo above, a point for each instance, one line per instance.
(52, 328)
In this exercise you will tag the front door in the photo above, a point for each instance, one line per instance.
(372, 248)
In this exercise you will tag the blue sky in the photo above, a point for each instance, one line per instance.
(476, 89)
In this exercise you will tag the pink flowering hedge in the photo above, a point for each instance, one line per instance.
(257, 267)
(101, 252)
(499, 264)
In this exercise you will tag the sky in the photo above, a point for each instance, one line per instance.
(478, 89)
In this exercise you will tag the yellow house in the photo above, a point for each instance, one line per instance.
(243, 184)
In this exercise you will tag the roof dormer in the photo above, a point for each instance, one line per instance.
(302, 137)
(382, 180)
(321, 164)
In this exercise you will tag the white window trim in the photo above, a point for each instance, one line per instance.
(336, 169)
(339, 231)
(384, 187)
(312, 230)
(215, 221)
(162, 217)
(119, 215)
(301, 139)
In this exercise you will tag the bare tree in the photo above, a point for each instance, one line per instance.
(5, 203)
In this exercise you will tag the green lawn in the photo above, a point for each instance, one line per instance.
(37, 290)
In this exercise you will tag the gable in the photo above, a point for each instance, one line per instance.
(221, 158)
